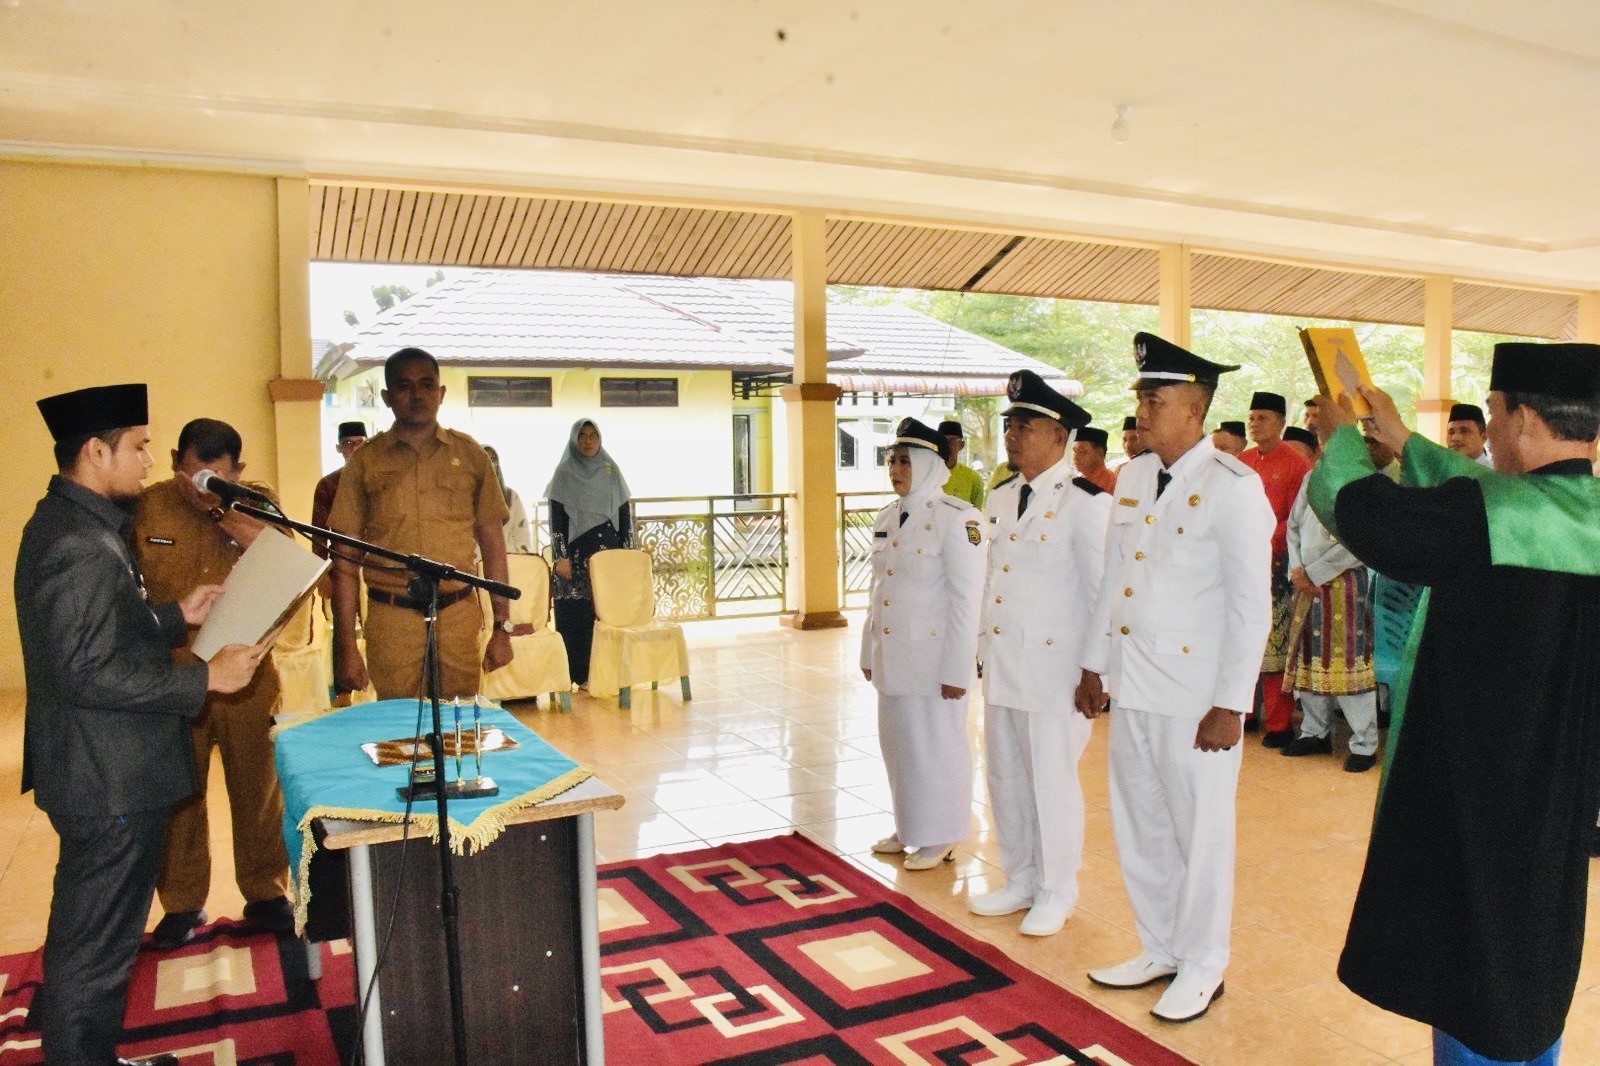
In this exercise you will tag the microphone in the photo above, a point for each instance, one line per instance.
(231, 492)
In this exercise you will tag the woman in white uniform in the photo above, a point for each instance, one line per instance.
(919, 647)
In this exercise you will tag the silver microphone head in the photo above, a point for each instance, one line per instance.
(202, 479)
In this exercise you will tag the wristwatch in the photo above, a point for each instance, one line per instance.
(506, 625)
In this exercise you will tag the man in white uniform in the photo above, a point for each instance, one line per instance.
(1047, 531)
(1177, 634)
(919, 647)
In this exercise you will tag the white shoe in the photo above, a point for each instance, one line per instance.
(1135, 973)
(1186, 998)
(889, 845)
(1046, 917)
(1007, 900)
(928, 857)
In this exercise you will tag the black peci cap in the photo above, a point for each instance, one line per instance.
(1303, 436)
(1567, 370)
(951, 428)
(1130, 423)
(351, 429)
(73, 414)
(1093, 435)
(1269, 401)
(1234, 428)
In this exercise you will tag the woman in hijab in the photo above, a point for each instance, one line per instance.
(588, 513)
(519, 534)
(919, 646)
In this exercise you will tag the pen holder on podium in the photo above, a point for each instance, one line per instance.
(424, 783)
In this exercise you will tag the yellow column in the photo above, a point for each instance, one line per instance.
(1438, 317)
(296, 396)
(810, 403)
(1588, 318)
(1176, 297)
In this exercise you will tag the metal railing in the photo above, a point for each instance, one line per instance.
(715, 556)
(857, 512)
(728, 556)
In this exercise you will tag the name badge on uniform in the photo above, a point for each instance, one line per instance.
(884, 533)
(1125, 502)
(160, 540)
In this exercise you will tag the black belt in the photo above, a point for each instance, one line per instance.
(391, 600)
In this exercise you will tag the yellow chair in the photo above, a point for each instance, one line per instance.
(630, 645)
(539, 658)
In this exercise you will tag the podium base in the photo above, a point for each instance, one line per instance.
(469, 788)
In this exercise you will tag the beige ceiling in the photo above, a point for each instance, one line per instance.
(1407, 136)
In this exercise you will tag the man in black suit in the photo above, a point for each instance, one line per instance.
(106, 745)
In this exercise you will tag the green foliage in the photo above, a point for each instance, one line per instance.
(387, 296)
(350, 318)
(1093, 342)
(434, 279)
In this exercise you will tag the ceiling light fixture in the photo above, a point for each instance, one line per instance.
(1119, 128)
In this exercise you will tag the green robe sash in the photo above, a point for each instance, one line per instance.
(1540, 523)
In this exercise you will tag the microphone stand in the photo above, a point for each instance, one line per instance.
(424, 586)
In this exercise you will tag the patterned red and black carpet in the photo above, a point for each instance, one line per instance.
(776, 951)
(763, 953)
(233, 994)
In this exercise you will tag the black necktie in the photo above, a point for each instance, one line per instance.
(1022, 500)
(1162, 479)
(903, 517)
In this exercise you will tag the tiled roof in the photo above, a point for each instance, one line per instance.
(558, 319)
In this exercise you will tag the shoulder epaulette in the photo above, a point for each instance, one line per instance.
(1233, 464)
(1007, 481)
(1088, 486)
(954, 501)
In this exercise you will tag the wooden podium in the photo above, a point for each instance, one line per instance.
(529, 935)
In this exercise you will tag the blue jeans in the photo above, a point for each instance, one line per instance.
(1448, 1051)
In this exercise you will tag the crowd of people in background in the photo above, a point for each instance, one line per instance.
(1203, 588)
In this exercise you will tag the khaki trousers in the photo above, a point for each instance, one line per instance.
(396, 639)
(237, 727)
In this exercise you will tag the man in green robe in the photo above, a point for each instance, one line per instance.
(1470, 916)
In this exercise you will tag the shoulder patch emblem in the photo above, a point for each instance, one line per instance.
(974, 534)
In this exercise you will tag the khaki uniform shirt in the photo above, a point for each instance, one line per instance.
(180, 548)
(421, 504)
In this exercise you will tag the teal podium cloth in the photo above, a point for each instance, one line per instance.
(325, 774)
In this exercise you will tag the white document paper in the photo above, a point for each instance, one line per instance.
(264, 587)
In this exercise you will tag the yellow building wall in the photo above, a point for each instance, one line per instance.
(663, 451)
(114, 274)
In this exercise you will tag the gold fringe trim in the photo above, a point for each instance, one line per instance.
(464, 840)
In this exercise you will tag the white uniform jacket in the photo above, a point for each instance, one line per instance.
(922, 619)
(1044, 570)
(1186, 603)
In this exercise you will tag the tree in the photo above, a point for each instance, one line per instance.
(387, 296)
(350, 318)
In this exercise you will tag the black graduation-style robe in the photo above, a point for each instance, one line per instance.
(1470, 916)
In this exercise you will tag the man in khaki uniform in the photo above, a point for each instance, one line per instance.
(184, 539)
(417, 488)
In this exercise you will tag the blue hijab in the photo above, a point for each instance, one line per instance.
(590, 487)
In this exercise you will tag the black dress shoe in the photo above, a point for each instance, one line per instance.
(1309, 746)
(163, 1059)
(1276, 738)
(1358, 764)
(275, 915)
(176, 929)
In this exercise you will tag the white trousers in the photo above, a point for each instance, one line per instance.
(1032, 772)
(929, 761)
(1360, 710)
(1172, 809)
